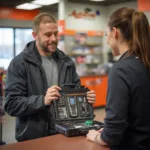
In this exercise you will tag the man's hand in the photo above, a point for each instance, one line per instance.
(91, 96)
(52, 94)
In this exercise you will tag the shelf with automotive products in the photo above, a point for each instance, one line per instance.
(87, 58)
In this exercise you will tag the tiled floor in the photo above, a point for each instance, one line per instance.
(9, 125)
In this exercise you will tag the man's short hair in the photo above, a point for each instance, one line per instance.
(42, 18)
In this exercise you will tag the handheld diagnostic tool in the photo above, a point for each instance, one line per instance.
(72, 106)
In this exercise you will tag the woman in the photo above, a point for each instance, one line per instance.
(127, 121)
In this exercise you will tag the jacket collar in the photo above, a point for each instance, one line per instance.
(32, 55)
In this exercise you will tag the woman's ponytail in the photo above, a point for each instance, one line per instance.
(141, 37)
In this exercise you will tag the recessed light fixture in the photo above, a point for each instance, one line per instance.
(97, 0)
(45, 2)
(28, 6)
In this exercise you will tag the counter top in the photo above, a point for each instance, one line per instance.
(55, 142)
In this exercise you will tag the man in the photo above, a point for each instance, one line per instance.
(34, 78)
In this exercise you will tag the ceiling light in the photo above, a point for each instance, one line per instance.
(28, 6)
(45, 2)
(97, 0)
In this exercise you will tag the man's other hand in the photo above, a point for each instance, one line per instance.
(91, 96)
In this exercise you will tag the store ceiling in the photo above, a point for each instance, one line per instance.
(54, 7)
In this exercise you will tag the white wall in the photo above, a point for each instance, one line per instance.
(96, 23)
(112, 8)
(99, 23)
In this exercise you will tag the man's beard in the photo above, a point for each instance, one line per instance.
(45, 48)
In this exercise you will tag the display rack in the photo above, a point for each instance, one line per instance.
(86, 51)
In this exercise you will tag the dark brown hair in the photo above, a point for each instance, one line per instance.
(42, 18)
(134, 27)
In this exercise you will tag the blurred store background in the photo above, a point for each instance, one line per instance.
(82, 25)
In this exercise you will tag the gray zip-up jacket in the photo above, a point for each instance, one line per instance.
(25, 89)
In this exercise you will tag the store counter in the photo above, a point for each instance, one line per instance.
(56, 142)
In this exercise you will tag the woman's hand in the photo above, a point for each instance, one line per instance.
(95, 136)
(92, 134)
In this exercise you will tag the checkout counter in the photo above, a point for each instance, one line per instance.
(55, 142)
